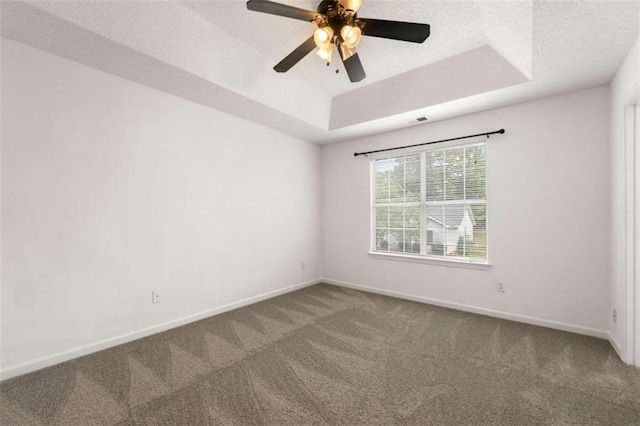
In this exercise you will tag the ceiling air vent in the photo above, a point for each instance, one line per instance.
(418, 120)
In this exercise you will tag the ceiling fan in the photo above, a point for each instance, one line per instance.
(338, 25)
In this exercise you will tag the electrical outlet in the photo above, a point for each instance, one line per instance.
(155, 297)
(500, 287)
(303, 265)
(615, 316)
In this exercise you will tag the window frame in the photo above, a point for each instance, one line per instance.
(442, 260)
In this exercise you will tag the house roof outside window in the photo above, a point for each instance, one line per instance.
(450, 216)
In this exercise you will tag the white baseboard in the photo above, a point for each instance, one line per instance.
(49, 360)
(476, 310)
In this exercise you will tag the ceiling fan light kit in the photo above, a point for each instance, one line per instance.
(338, 25)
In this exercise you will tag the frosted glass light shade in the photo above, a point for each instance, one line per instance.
(326, 53)
(351, 35)
(322, 37)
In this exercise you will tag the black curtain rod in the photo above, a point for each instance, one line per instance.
(488, 134)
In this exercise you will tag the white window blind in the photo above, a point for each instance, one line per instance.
(432, 203)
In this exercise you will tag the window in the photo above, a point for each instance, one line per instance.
(432, 204)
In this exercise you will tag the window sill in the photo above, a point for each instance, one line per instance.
(429, 260)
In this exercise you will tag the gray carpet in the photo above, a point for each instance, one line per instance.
(328, 355)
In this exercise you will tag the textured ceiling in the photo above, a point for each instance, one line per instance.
(275, 37)
(219, 54)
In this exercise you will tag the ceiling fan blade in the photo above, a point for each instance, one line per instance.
(351, 4)
(296, 56)
(354, 67)
(405, 31)
(279, 9)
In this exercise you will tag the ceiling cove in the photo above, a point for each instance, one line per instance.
(479, 55)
